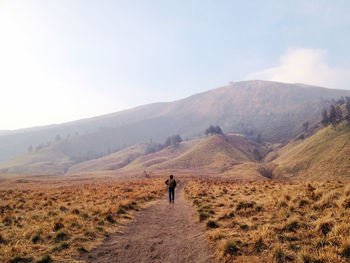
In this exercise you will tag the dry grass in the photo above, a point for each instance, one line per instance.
(216, 152)
(112, 161)
(42, 222)
(267, 221)
(323, 155)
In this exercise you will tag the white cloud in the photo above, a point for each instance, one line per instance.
(308, 66)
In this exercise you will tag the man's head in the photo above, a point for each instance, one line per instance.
(171, 176)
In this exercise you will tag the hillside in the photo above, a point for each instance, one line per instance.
(274, 110)
(153, 160)
(142, 159)
(228, 156)
(325, 154)
(49, 160)
(216, 154)
(113, 161)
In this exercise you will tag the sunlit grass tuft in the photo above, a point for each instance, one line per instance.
(44, 223)
(272, 221)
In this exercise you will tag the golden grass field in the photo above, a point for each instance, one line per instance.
(268, 221)
(44, 222)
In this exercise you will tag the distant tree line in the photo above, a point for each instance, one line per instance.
(335, 114)
(57, 139)
(173, 140)
(305, 125)
(213, 130)
(340, 101)
(347, 107)
(176, 139)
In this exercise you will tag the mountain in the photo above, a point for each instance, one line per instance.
(325, 154)
(274, 110)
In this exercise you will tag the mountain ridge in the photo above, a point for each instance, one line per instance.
(127, 110)
(273, 109)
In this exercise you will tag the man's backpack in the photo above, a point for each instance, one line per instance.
(171, 183)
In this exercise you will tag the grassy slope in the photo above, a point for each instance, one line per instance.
(215, 152)
(48, 160)
(326, 154)
(228, 155)
(152, 160)
(112, 161)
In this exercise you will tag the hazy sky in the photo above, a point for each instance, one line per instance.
(68, 59)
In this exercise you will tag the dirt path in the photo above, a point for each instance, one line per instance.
(162, 232)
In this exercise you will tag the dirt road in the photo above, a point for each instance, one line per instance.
(162, 232)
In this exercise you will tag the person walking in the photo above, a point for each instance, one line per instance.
(171, 183)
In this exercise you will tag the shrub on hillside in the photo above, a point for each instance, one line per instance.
(265, 172)
(173, 140)
(213, 130)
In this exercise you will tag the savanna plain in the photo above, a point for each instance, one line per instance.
(46, 220)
